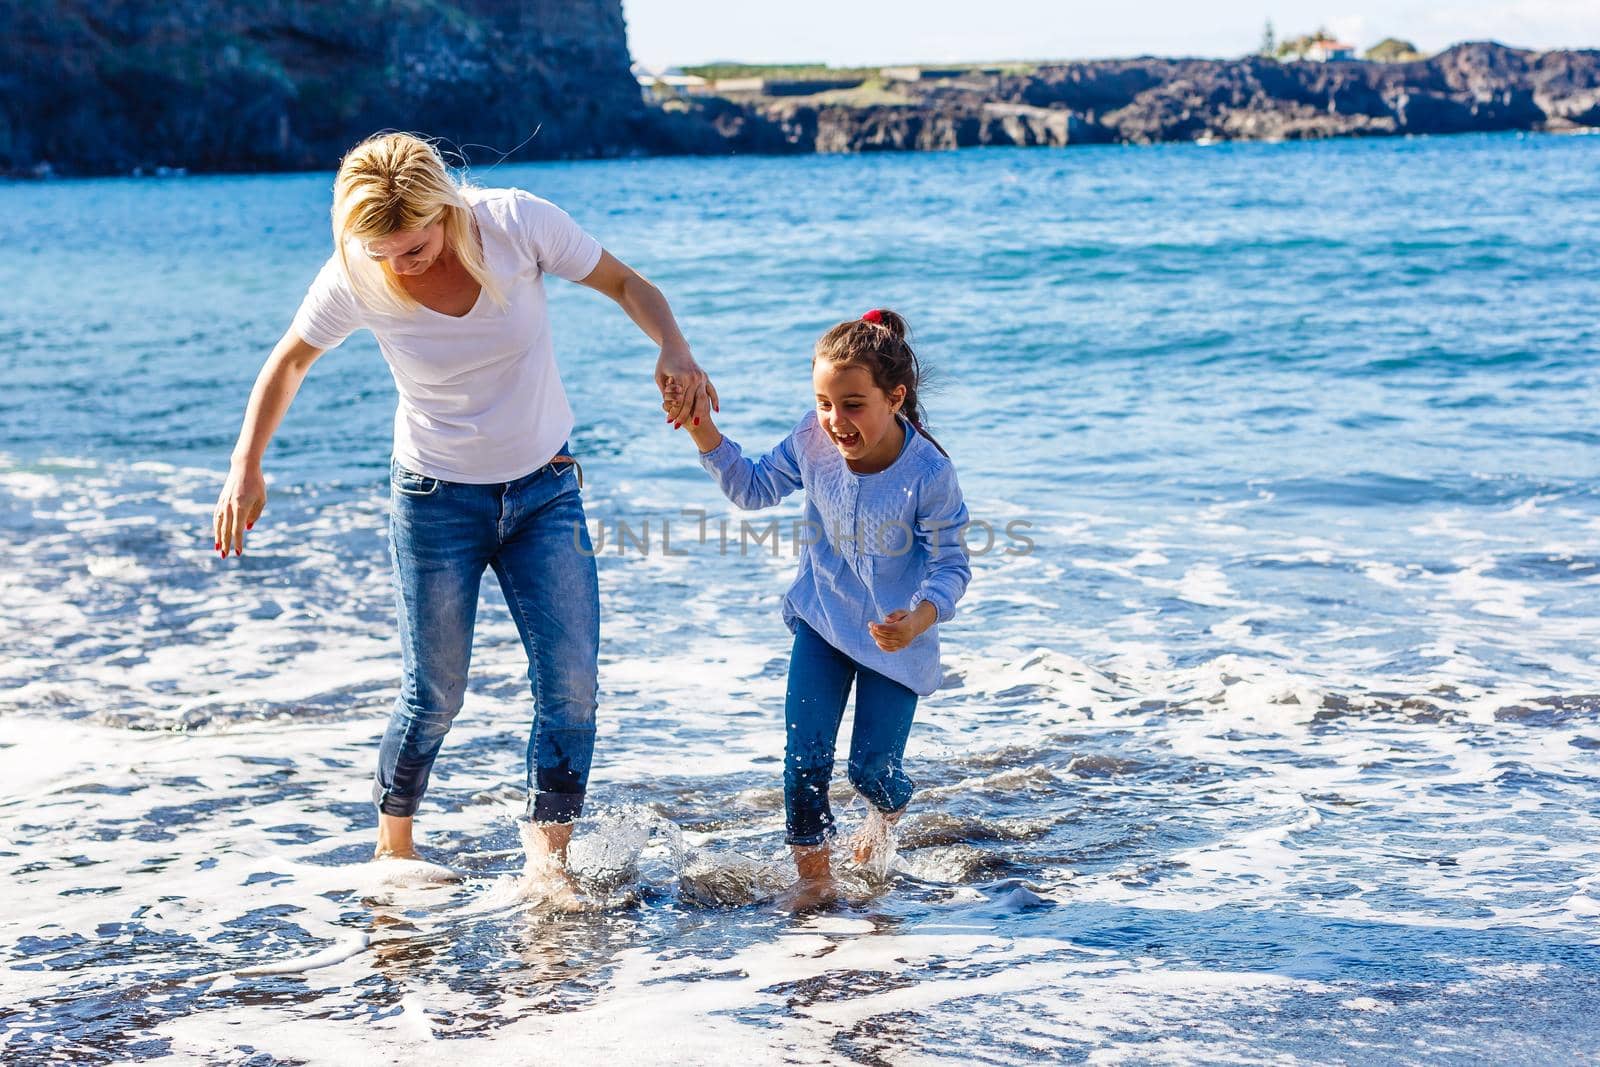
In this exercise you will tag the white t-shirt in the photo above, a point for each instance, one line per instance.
(481, 399)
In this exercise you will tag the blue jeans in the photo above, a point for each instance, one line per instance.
(819, 685)
(442, 536)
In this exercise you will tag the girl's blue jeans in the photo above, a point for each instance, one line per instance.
(819, 686)
(532, 533)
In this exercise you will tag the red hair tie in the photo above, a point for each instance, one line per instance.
(874, 316)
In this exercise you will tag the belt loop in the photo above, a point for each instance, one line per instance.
(576, 466)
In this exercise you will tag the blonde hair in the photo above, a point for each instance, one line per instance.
(393, 183)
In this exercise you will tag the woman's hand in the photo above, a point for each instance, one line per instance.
(649, 311)
(900, 628)
(695, 397)
(244, 494)
(243, 497)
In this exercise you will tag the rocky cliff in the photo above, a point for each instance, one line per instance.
(1471, 87)
(110, 86)
(106, 86)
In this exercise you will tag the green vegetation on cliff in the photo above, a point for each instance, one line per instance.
(784, 71)
(1393, 50)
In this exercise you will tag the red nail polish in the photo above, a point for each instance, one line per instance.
(697, 422)
(250, 527)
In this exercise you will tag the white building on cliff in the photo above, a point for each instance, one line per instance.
(1329, 51)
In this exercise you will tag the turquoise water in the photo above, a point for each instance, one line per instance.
(1279, 743)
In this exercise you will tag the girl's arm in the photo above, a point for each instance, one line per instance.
(941, 518)
(941, 521)
(751, 485)
(244, 494)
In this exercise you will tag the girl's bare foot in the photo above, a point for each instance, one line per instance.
(548, 840)
(872, 844)
(815, 887)
(545, 877)
(811, 863)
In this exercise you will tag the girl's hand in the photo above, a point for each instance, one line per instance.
(900, 628)
(704, 432)
(240, 504)
(695, 398)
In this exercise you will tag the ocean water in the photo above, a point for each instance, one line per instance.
(1272, 739)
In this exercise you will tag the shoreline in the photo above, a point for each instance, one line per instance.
(185, 174)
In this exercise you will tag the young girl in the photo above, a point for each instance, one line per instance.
(883, 564)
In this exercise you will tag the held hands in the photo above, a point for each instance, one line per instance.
(900, 628)
(695, 396)
(701, 428)
(243, 497)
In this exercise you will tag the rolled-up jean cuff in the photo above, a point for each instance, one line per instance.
(883, 798)
(805, 840)
(392, 805)
(556, 807)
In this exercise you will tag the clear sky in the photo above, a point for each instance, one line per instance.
(866, 32)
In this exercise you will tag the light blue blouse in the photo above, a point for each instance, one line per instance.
(879, 542)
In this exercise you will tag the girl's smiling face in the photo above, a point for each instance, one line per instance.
(859, 416)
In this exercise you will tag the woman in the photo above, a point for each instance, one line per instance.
(449, 278)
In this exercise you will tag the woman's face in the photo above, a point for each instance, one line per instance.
(856, 413)
(409, 251)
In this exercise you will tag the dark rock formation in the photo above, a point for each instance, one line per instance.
(101, 86)
(1471, 87)
(110, 86)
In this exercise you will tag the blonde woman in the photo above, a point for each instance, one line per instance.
(450, 279)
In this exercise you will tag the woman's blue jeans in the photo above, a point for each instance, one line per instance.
(442, 536)
(819, 686)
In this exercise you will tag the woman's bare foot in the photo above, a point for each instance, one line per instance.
(397, 862)
(872, 844)
(394, 838)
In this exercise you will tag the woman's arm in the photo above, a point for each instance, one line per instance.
(244, 494)
(650, 312)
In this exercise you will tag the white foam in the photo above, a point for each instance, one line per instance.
(338, 953)
(1160, 743)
